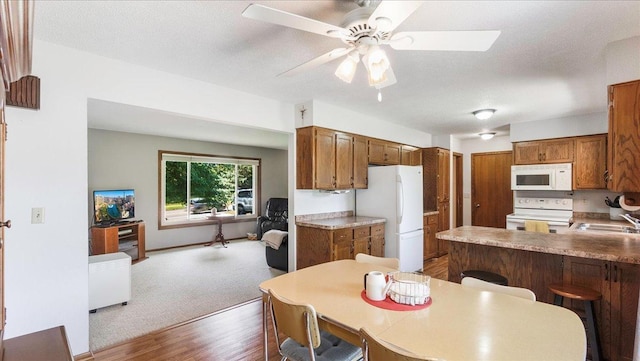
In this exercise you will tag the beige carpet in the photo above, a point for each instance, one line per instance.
(177, 285)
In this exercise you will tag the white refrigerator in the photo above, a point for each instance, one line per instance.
(395, 193)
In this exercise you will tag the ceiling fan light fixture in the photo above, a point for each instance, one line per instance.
(377, 63)
(484, 114)
(347, 69)
(487, 135)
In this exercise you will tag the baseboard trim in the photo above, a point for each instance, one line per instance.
(87, 356)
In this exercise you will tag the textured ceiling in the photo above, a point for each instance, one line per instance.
(549, 61)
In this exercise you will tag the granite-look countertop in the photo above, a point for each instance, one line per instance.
(340, 222)
(609, 246)
(430, 213)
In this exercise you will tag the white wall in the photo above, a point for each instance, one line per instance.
(596, 123)
(138, 169)
(333, 117)
(46, 166)
(623, 60)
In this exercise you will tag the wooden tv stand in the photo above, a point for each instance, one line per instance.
(126, 237)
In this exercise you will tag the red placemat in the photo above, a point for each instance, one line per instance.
(389, 304)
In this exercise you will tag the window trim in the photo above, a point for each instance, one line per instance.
(194, 157)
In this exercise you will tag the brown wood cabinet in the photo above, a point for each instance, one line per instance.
(623, 164)
(590, 163)
(128, 238)
(410, 155)
(384, 153)
(436, 194)
(318, 245)
(544, 151)
(328, 159)
(619, 284)
(360, 162)
(430, 226)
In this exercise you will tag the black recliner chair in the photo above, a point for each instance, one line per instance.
(276, 217)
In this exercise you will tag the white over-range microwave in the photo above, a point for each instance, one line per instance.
(555, 177)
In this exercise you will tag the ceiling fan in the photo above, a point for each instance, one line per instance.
(365, 29)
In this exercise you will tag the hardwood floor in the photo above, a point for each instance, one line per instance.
(437, 267)
(231, 334)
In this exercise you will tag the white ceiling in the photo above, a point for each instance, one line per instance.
(549, 61)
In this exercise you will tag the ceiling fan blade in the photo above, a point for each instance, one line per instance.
(325, 58)
(391, 79)
(389, 14)
(444, 40)
(279, 17)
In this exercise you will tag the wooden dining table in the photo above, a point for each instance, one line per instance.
(461, 323)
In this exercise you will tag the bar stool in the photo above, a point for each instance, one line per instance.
(588, 296)
(485, 276)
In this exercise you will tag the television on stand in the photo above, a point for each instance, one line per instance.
(111, 207)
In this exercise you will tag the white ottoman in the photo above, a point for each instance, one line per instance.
(109, 280)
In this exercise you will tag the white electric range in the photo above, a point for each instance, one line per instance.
(557, 212)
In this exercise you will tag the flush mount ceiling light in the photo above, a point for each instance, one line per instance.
(487, 135)
(484, 114)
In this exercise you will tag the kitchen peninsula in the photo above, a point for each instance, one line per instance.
(606, 262)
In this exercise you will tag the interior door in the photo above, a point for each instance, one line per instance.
(491, 194)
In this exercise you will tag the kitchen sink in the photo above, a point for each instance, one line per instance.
(601, 227)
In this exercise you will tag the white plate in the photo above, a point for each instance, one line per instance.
(627, 207)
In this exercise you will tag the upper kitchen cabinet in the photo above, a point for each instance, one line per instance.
(590, 164)
(328, 159)
(544, 151)
(410, 155)
(384, 153)
(623, 163)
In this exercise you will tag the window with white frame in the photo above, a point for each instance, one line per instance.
(193, 186)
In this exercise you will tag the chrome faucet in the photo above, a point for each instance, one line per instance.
(632, 220)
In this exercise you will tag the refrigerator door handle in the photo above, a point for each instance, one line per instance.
(400, 197)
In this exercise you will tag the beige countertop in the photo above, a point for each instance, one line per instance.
(609, 246)
(340, 222)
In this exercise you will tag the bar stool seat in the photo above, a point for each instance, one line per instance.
(485, 276)
(588, 296)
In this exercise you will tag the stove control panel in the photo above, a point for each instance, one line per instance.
(543, 203)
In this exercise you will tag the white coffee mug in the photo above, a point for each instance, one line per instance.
(375, 285)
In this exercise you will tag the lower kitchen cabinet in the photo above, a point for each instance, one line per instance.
(319, 245)
(616, 313)
(430, 246)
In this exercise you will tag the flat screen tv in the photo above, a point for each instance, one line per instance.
(113, 206)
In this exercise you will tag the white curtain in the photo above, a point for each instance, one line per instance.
(16, 41)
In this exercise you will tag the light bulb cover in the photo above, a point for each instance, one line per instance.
(377, 63)
(347, 69)
(484, 114)
(487, 135)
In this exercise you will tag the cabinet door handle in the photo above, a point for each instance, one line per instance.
(606, 271)
(6, 224)
(615, 273)
(606, 176)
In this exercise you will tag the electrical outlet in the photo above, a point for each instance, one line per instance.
(37, 215)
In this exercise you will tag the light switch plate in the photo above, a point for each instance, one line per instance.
(37, 215)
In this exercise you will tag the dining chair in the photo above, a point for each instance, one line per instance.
(381, 261)
(305, 341)
(374, 349)
(492, 287)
